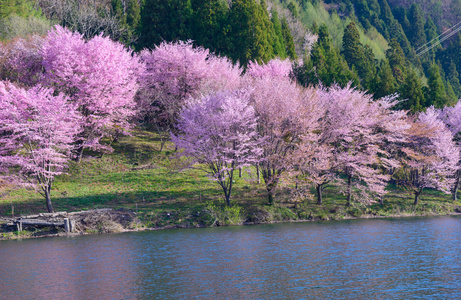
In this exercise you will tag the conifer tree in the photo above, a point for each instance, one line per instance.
(330, 67)
(209, 24)
(118, 11)
(385, 81)
(247, 24)
(278, 43)
(352, 48)
(164, 20)
(453, 78)
(431, 34)
(411, 92)
(437, 95)
(396, 59)
(133, 14)
(289, 42)
(417, 36)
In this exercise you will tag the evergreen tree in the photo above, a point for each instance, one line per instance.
(431, 35)
(452, 98)
(248, 41)
(357, 56)
(133, 14)
(209, 24)
(385, 81)
(453, 78)
(352, 48)
(118, 11)
(288, 39)
(330, 67)
(396, 59)
(411, 92)
(164, 20)
(417, 36)
(278, 42)
(437, 95)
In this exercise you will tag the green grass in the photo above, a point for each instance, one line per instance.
(138, 177)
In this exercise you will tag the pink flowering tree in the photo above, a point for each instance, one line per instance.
(430, 157)
(100, 76)
(275, 68)
(21, 62)
(287, 114)
(451, 116)
(219, 133)
(176, 72)
(356, 134)
(37, 133)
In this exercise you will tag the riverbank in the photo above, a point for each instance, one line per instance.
(102, 221)
(143, 180)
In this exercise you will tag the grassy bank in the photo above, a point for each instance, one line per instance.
(138, 177)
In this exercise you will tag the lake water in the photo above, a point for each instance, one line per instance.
(411, 258)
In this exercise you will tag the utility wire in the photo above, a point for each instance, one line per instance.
(437, 37)
(450, 34)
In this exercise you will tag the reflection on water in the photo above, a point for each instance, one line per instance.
(373, 259)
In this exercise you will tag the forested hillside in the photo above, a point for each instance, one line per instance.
(305, 94)
(380, 46)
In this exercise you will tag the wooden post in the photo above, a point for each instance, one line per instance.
(19, 226)
(67, 225)
(72, 225)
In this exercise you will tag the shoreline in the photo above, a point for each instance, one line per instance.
(15, 235)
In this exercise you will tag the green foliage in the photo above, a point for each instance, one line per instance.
(411, 92)
(17, 26)
(288, 39)
(250, 29)
(22, 8)
(325, 65)
(396, 59)
(164, 20)
(133, 14)
(209, 25)
(278, 43)
(417, 35)
(453, 79)
(437, 94)
(385, 83)
(224, 215)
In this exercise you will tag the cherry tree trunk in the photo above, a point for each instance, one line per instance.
(79, 154)
(48, 199)
(319, 194)
(417, 194)
(270, 198)
(455, 187)
(349, 190)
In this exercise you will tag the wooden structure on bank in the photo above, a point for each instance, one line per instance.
(59, 219)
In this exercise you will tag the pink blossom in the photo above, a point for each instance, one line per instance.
(219, 132)
(37, 131)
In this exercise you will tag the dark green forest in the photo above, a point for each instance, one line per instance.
(382, 46)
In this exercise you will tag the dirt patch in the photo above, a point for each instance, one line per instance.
(104, 221)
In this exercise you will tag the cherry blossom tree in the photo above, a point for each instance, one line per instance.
(287, 114)
(430, 157)
(451, 116)
(219, 132)
(174, 73)
(37, 132)
(275, 68)
(355, 137)
(99, 75)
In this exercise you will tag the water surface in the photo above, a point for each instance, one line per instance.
(418, 258)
